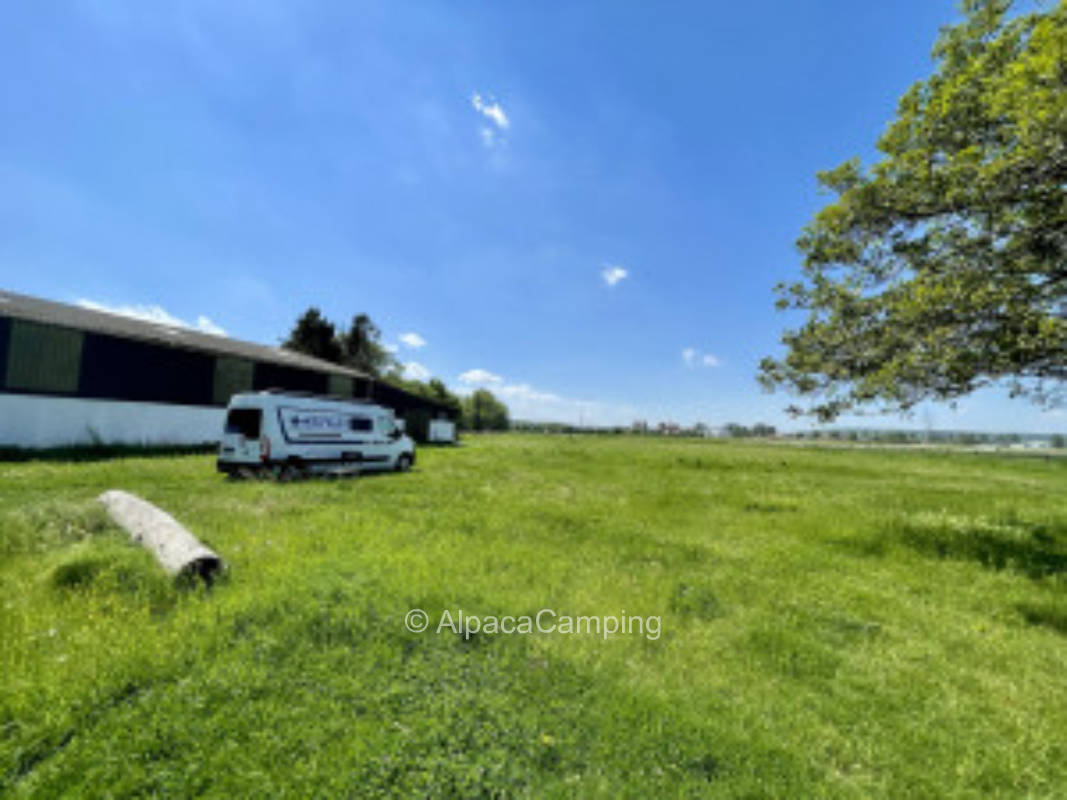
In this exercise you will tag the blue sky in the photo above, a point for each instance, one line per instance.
(583, 206)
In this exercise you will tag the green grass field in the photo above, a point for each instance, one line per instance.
(840, 623)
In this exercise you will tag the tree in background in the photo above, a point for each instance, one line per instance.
(362, 348)
(439, 392)
(359, 348)
(315, 336)
(417, 421)
(434, 389)
(483, 412)
(943, 268)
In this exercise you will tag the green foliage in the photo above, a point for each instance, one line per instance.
(417, 420)
(434, 389)
(361, 347)
(760, 429)
(943, 268)
(483, 412)
(835, 623)
(315, 336)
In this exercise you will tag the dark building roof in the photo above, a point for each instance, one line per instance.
(20, 306)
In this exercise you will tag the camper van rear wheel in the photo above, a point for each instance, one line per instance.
(403, 462)
(293, 471)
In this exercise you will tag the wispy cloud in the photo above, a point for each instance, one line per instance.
(613, 274)
(694, 358)
(491, 110)
(496, 121)
(415, 371)
(412, 340)
(529, 403)
(156, 314)
(474, 377)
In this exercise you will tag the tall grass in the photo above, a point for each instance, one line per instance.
(834, 623)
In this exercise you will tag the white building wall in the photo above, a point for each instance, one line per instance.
(38, 421)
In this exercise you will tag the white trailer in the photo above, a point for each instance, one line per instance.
(442, 431)
(297, 433)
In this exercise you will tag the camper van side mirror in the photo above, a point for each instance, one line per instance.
(396, 434)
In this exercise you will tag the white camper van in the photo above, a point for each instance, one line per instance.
(292, 433)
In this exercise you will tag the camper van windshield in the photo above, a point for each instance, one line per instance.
(244, 421)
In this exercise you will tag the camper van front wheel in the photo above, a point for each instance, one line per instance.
(403, 462)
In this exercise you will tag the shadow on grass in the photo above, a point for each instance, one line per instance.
(1034, 549)
(102, 452)
(1045, 616)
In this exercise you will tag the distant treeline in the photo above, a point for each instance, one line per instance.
(966, 438)
(761, 430)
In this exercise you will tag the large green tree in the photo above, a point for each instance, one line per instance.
(942, 268)
(482, 411)
(359, 347)
(315, 336)
(362, 347)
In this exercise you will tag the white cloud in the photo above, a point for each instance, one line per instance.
(475, 377)
(156, 314)
(612, 274)
(412, 340)
(491, 110)
(694, 358)
(523, 391)
(528, 403)
(415, 371)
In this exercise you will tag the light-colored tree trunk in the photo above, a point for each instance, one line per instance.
(176, 549)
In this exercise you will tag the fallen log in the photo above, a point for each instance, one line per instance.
(175, 548)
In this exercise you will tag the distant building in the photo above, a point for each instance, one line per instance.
(72, 375)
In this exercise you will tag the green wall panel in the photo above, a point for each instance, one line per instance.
(340, 385)
(43, 358)
(232, 375)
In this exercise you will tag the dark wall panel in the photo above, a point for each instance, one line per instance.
(232, 376)
(361, 388)
(276, 376)
(403, 402)
(5, 341)
(125, 369)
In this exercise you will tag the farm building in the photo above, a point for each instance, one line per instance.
(72, 375)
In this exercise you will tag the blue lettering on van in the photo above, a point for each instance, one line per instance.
(316, 421)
